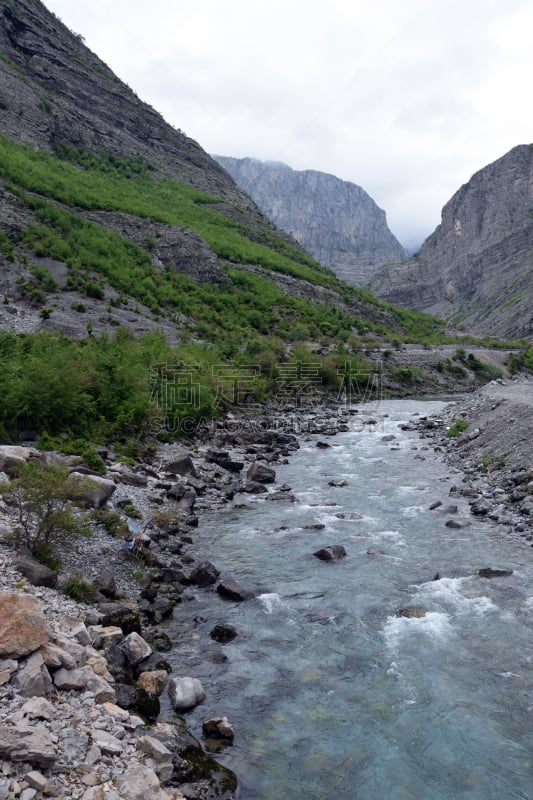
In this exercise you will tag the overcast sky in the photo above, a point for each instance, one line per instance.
(407, 98)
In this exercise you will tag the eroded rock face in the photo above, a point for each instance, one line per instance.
(23, 627)
(477, 263)
(336, 221)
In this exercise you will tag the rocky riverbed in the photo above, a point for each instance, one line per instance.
(99, 725)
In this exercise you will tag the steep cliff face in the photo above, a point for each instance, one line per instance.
(53, 89)
(476, 269)
(336, 221)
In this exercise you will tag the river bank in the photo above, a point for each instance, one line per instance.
(195, 481)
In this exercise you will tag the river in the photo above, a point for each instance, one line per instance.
(331, 694)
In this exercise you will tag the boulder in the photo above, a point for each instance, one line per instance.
(121, 615)
(205, 574)
(182, 464)
(333, 552)
(253, 487)
(23, 626)
(185, 693)
(36, 573)
(218, 728)
(135, 648)
(74, 628)
(67, 679)
(234, 591)
(12, 457)
(480, 508)
(153, 682)
(94, 491)
(489, 572)
(26, 743)
(33, 679)
(338, 483)
(106, 584)
(411, 612)
(260, 473)
(323, 445)
(140, 783)
(223, 633)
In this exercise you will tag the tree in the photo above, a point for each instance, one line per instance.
(42, 496)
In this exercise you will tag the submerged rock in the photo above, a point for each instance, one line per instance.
(489, 572)
(411, 612)
(333, 552)
(234, 591)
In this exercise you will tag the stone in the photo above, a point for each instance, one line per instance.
(411, 612)
(77, 651)
(36, 780)
(489, 572)
(185, 693)
(33, 679)
(37, 574)
(260, 473)
(435, 504)
(106, 584)
(104, 637)
(38, 708)
(121, 615)
(232, 590)
(106, 742)
(23, 626)
(223, 633)
(480, 508)
(205, 574)
(153, 682)
(140, 783)
(135, 648)
(94, 491)
(253, 487)
(27, 743)
(338, 482)
(182, 464)
(12, 457)
(322, 445)
(74, 746)
(67, 679)
(154, 748)
(333, 552)
(75, 628)
(218, 728)
(55, 657)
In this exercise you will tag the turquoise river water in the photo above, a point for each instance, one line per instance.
(330, 693)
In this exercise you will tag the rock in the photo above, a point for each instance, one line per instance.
(75, 628)
(374, 551)
(205, 574)
(411, 612)
(106, 584)
(185, 693)
(260, 473)
(480, 508)
(223, 633)
(154, 748)
(153, 682)
(436, 504)
(38, 708)
(67, 679)
(253, 487)
(121, 615)
(24, 743)
(333, 552)
(323, 445)
(338, 483)
(352, 515)
(55, 657)
(94, 491)
(33, 679)
(218, 728)
(281, 497)
(181, 464)
(234, 591)
(458, 524)
(23, 627)
(37, 574)
(135, 648)
(489, 572)
(12, 457)
(36, 780)
(140, 783)
(107, 743)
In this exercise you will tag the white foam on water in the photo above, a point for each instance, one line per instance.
(434, 625)
(412, 511)
(449, 592)
(271, 602)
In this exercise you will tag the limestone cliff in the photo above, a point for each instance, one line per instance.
(334, 220)
(476, 269)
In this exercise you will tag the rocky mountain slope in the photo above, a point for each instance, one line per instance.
(476, 268)
(336, 221)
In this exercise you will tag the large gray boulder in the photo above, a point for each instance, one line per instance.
(185, 693)
(37, 574)
(27, 743)
(93, 491)
(260, 473)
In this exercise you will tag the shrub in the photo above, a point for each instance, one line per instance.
(79, 589)
(42, 497)
(458, 426)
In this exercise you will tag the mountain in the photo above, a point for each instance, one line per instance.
(476, 269)
(336, 221)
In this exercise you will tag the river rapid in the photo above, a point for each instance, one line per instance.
(331, 694)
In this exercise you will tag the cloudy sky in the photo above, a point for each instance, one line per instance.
(407, 99)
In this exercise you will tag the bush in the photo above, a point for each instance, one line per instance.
(79, 589)
(42, 496)
(458, 426)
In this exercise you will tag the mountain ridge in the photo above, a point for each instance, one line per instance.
(334, 219)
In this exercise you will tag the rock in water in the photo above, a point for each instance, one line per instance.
(333, 552)
(488, 572)
(185, 693)
(218, 728)
(234, 591)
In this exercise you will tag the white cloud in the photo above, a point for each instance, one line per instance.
(406, 99)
